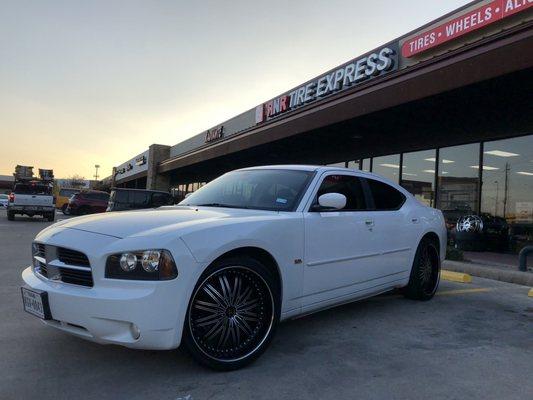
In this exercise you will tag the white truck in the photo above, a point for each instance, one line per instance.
(31, 196)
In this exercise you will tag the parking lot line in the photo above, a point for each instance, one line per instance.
(455, 276)
(461, 291)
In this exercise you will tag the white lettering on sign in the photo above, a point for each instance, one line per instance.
(461, 25)
(355, 72)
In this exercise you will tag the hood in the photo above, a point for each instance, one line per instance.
(146, 222)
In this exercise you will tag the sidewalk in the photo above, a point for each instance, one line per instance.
(502, 273)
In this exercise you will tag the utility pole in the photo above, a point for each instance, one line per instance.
(96, 173)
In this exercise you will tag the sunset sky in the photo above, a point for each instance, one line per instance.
(86, 82)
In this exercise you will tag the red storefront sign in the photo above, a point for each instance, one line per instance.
(468, 22)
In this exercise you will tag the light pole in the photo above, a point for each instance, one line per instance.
(96, 173)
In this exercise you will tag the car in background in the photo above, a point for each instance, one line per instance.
(63, 197)
(88, 202)
(122, 199)
(31, 198)
(4, 200)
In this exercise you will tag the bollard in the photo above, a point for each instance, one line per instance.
(522, 257)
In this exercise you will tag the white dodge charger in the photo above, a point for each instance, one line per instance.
(220, 270)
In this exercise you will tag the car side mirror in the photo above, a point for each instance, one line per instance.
(330, 201)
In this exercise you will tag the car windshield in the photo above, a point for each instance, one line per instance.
(33, 189)
(262, 189)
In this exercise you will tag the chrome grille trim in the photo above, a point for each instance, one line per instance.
(62, 264)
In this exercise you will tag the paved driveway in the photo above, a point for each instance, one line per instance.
(472, 341)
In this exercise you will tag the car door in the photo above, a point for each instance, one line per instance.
(392, 229)
(337, 255)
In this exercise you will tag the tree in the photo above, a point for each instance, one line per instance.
(76, 181)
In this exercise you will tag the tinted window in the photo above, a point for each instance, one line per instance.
(385, 196)
(120, 196)
(22, 188)
(141, 199)
(266, 189)
(160, 199)
(67, 192)
(349, 186)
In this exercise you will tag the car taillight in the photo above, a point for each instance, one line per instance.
(11, 197)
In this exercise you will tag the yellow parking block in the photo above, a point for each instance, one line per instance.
(530, 293)
(455, 276)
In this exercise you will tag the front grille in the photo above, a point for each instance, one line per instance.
(75, 268)
(43, 270)
(40, 251)
(76, 277)
(72, 257)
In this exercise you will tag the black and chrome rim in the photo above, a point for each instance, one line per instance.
(231, 313)
(429, 269)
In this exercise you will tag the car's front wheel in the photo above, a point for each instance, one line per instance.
(425, 274)
(232, 314)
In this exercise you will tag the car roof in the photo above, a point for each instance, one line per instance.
(310, 168)
(141, 190)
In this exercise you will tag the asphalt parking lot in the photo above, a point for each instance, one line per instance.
(472, 341)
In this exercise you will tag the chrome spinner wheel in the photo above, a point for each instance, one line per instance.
(231, 314)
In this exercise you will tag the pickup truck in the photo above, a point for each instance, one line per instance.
(31, 198)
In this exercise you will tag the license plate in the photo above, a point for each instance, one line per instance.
(36, 303)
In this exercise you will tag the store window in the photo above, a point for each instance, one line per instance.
(507, 193)
(354, 164)
(339, 164)
(366, 165)
(418, 175)
(387, 166)
(458, 182)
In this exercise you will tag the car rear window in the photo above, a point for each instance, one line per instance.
(34, 189)
(385, 196)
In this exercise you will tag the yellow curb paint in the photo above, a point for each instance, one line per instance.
(455, 276)
(530, 293)
(461, 291)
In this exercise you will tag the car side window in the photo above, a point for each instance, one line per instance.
(141, 199)
(385, 196)
(159, 199)
(347, 185)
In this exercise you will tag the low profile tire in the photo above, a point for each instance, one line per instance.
(64, 209)
(425, 274)
(10, 216)
(233, 314)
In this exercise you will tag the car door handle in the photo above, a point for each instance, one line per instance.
(414, 220)
(369, 223)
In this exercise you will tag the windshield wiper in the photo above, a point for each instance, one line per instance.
(217, 205)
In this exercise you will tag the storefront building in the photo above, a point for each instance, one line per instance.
(445, 111)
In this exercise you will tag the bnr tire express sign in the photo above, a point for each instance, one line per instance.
(347, 76)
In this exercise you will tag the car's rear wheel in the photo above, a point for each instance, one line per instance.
(10, 216)
(232, 314)
(425, 274)
(51, 216)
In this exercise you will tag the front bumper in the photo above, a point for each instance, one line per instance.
(114, 315)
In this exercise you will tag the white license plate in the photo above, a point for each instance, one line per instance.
(36, 303)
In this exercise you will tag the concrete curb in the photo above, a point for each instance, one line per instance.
(484, 271)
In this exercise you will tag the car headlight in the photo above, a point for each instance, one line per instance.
(147, 265)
